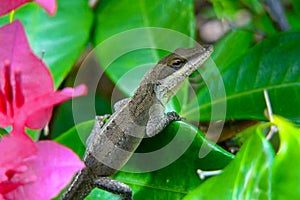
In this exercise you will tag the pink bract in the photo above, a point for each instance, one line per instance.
(9, 5)
(29, 170)
(27, 94)
(35, 171)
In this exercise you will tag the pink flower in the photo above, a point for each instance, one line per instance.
(26, 87)
(29, 170)
(35, 171)
(9, 5)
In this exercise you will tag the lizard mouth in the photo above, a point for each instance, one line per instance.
(195, 57)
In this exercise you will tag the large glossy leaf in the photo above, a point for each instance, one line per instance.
(238, 40)
(2, 132)
(254, 5)
(296, 6)
(225, 8)
(265, 24)
(286, 167)
(176, 179)
(62, 38)
(248, 176)
(272, 65)
(135, 51)
(293, 19)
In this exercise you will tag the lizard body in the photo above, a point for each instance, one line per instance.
(110, 147)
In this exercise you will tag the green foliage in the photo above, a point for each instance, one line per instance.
(296, 6)
(256, 172)
(115, 17)
(286, 171)
(167, 182)
(246, 68)
(225, 8)
(265, 66)
(239, 40)
(2, 132)
(250, 58)
(253, 160)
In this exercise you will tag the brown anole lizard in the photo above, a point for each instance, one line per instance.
(110, 146)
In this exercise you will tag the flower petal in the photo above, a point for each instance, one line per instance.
(17, 51)
(34, 83)
(14, 148)
(4, 120)
(15, 151)
(49, 5)
(30, 69)
(39, 107)
(54, 167)
(9, 5)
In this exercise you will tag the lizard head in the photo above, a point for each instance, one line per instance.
(177, 66)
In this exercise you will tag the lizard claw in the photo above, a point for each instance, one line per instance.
(173, 116)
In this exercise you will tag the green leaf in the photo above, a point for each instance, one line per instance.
(3, 132)
(246, 177)
(33, 134)
(225, 8)
(131, 52)
(239, 42)
(293, 20)
(62, 38)
(266, 66)
(254, 5)
(286, 167)
(296, 6)
(265, 24)
(177, 179)
(76, 137)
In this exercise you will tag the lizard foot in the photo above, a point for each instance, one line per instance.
(173, 116)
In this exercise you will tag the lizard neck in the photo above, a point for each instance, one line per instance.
(141, 102)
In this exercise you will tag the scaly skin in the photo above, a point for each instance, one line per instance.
(110, 146)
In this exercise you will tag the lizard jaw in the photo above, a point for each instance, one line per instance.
(166, 88)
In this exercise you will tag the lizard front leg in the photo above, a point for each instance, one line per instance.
(119, 104)
(158, 119)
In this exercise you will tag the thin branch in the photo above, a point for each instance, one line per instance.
(204, 174)
(273, 128)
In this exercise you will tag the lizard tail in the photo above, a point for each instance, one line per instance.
(80, 187)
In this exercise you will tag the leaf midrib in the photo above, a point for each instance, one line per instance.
(237, 95)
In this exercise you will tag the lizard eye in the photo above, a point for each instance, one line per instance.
(176, 63)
